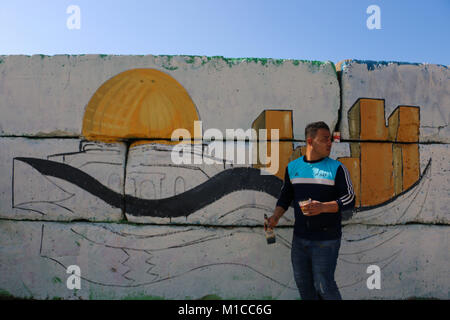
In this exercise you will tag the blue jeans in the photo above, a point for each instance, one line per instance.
(314, 263)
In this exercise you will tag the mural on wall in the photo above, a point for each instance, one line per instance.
(81, 175)
(144, 103)
(149, 104)
(143, 260)
(385, 161)
(210, 213)
(135, 260)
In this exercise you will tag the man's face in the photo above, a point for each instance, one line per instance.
(321, 143)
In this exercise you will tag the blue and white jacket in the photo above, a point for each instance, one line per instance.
(322, 180)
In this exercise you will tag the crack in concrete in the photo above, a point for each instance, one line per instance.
(212, 226)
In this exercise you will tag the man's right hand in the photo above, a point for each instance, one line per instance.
(272, 221)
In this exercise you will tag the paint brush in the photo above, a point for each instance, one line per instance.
(270, 234)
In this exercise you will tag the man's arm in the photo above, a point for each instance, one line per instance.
(273, 220)
(343, 182)
(346, 200)
(284, 201)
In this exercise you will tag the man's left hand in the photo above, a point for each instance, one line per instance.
(313, 209)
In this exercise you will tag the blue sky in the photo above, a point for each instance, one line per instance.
(411, 31)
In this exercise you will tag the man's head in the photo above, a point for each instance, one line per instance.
(318, 139)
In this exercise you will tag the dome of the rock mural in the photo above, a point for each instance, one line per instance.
(139, 104)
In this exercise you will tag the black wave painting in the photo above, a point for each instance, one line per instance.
(184, 204)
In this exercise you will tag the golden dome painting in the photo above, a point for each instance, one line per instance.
(139, 104)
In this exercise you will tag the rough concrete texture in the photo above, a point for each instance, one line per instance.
(120, 261)
(33, 191)
(413, 260)
(423, 85)
(228, 93)
(436, 208)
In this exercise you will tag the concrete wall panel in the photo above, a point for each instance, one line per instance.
(228, 93)
(123, 261)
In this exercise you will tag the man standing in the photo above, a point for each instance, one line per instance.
(317, 230)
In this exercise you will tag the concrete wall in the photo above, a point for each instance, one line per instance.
(88, 178)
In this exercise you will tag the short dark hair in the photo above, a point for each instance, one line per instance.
(311, 129)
